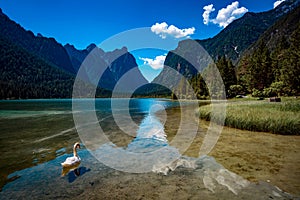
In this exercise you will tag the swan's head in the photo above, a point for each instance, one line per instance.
(77, 145)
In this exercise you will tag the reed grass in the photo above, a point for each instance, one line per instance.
(280, 117)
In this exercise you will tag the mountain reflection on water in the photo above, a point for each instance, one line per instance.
(169, 174)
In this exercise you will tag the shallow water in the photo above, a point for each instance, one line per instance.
(37, 135)
(37, 131)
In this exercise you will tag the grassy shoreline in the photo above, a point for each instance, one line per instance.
(279, 118)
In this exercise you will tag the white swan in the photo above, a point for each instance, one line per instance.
(72, 161)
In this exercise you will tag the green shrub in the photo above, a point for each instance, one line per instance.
(235, 90)
(269, 92)
(256, 93)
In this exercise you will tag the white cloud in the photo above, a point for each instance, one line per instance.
(225, 15)
(277, 3)
(156, 63)
(163, 29)
(207, 10)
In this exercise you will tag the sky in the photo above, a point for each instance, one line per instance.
(82, 22)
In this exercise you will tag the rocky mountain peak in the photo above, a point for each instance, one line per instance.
(90, 47)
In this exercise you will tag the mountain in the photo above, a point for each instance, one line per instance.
(33, 66)
(278, 33)
(24, 75)
(231, 42)
(117, 63)
(241, 33)
(46, 48)
(78, 56)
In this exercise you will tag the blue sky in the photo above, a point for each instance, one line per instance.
(81, 22)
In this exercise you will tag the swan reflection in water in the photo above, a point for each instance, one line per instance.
(66, 170)
(74, 172)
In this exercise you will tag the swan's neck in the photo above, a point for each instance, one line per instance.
(75, 152)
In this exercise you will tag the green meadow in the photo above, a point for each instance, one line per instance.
(275, 117)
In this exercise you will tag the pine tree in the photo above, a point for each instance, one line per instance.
(227, 71)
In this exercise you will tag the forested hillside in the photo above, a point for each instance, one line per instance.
(271, 66)
(24, 75)
(268, 64)
(240, 34)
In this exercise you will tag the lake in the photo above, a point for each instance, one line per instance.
(137, 154)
